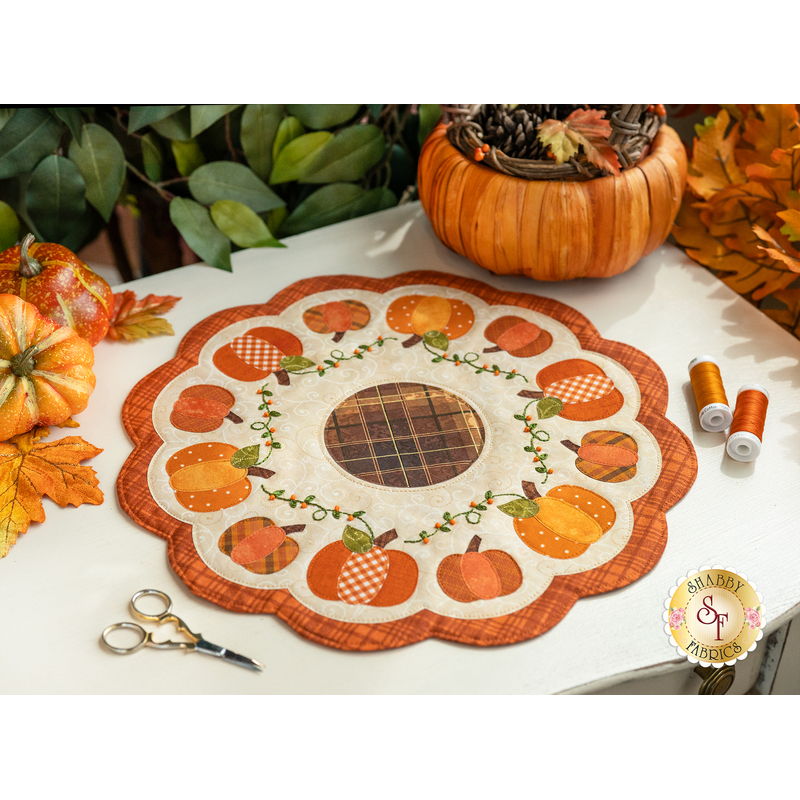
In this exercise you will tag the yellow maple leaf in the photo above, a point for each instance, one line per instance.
(31, 469)
(713, 163)
(792, 227)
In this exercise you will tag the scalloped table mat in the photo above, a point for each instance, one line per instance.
(381, 461)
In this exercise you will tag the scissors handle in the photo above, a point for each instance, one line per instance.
(164, 616)
(145, 639)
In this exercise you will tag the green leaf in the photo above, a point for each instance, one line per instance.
(289, 129)
(429, 116)
(195, 225)
(9, 226)
(176, 126)
(5, 116)
(188, 156)
(548, 407)
(72, 118)
(297, 155)
(224, 180)
(55, 197)
(259, 128)
(30, 135)
(332, 203)
(436, 339)
(102, 163)
(345, 157)
(202, 117)
(356, 540)
(152, 156)
(296, 363)
(147, 115)
(317, 117)
(520, 509)
(242, 225)
(245, 457)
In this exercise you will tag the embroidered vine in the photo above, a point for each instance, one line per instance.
(298, 363)
(268, 431)
(545, 408)
(436, 339)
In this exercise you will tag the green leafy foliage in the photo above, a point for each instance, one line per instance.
(9, 226)
(195, 225)
(317, 117)
(346, 156)
(259, 127)
(101, 161)
(30, 135)
(224, 180)
(55, 197)
(188, 156)
(295, 157)
(147, 115)
(242, 225)
(202, 117)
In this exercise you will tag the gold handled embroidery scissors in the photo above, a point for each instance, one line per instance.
(197, 643)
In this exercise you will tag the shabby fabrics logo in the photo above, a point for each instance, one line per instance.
(715, 616)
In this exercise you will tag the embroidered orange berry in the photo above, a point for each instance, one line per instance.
(485, 147)
(438, 525)
(444, 355)
(479, 154)
(269, 402)
(380, 338)
(458, 363)
(293, 498)
(486, 366)
(336, 508)
(497, 372)
(265, 414)
(356, 350)
(451, 522)
(527, 429)
(336, 365)
(538, 449)
(369, 349)
(267, 444)
(536, 458)
(303, 505)
(513, 372)
(528, 418)
(272, 430)
(473, 504)
(272, 497)
(319, 369)
(349, 517)
(549, 472)
(425, 540)
(490, 501)
(260, 391)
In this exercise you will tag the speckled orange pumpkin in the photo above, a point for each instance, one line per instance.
(417, 314)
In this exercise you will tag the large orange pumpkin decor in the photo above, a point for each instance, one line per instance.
(418, 314)
(45, 369)
(478, 576)
(359, 570)
(60, 285)
(259, 353)
(551, 230)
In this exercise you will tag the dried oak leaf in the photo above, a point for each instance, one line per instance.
(777, 128)
(31, 469)
(584, 128)
(792, 227)
(138, 319)
(713, 163)
(780, 249)
(783, 178)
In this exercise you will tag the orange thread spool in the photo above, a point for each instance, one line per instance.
(747, 428)
(709, 392)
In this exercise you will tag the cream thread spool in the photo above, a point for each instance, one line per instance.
(745, 445)
(712, 402)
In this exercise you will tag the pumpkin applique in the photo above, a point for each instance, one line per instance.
(358, 570)
(337, 317)
(608, 456)
(475, 576)
(205, 476)
(60, 285)
(418, 314)
(259, 545)
(202, 408)
(517, 336)
(586, 392)
(45, 369)
(258, 353)
(569, 519)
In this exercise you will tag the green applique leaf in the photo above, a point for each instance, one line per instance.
(355, 540)
(224, 180)
(296, 363)
(436, 339)
(9, 226)
(548, 407)
(520, 509)
(317, 116)
(246, 457)
(101, 161)
(30, 135)
(147, 115)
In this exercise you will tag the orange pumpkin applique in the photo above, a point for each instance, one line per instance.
(569, 519)
(259, 545)
(258, 353)
(45, 369)
(478, 576)
(517, 336)
(358, 570)
(608, 456)
(202, 408)
(338, 317)
(417, 314)
(205, 477)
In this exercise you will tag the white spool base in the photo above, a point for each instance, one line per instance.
(743, 446)
(702, 360)
(715, 417)
(756, 386)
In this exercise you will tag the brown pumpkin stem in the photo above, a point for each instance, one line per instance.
(495, 349)
(385, 538)
(283, 377)
(531, 394)
(571, 445)
(474, 545)
(338, 336)
(260, 472)
(234, 417)
(530, 490)
(293, 528)
(415, 339)
(22, 364)
(29, 267)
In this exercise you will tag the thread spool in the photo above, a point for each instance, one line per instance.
(709, 392)
(747, 428)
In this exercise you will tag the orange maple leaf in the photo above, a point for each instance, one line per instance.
(31, 469)
(713, 163)
(583, 128)
(138, 319)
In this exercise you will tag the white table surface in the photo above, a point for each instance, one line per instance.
(68, 578)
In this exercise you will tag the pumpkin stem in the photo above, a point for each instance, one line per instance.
(260, 472)
(495, 349)
(234, 417)
(530, 394)
(412, 340)
(283, 377)
(293, 528)
(338, 336)
(473, 545)
(530, 490)
(29, 267)
(571, 445)
(385, 538)
(22, 364)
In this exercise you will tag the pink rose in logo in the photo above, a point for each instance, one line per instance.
(676, 618)
(753, 618)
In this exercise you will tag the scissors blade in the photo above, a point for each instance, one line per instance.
(202, 646)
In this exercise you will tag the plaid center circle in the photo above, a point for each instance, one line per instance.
(404, 435)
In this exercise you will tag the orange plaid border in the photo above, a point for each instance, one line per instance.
(640, 555)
